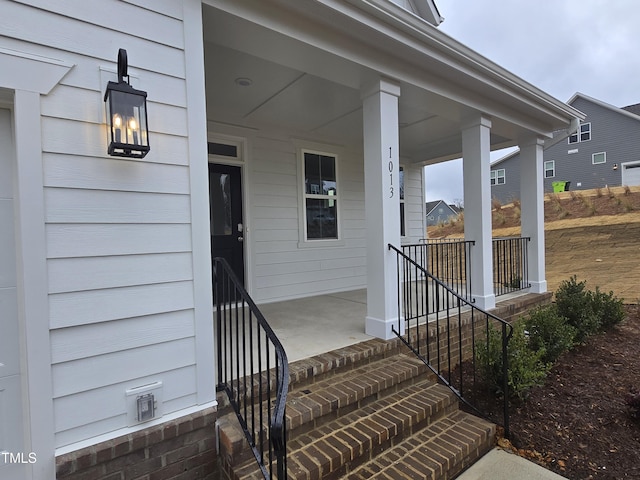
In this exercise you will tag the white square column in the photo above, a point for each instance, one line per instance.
(476, 164)
(532, 209)
(382, 205)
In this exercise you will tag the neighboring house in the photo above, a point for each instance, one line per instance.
(439, 212)
(604, 152)
(291, 169)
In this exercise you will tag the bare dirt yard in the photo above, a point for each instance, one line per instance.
(578, 423)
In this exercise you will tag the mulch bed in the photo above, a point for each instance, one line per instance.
(578, 424)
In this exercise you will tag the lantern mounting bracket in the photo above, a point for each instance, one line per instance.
(123, 66)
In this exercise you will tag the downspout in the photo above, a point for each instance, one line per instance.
(573, 128)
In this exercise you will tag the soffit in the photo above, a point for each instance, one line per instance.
(307, 77)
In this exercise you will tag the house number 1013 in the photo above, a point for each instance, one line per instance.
(390, 175)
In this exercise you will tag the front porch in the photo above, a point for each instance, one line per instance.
(357, 404)
(312, 326)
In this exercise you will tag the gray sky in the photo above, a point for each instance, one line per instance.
(560, 46)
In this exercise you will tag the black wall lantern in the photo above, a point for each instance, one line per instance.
(126, 115)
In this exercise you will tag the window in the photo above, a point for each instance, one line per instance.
(498, 177)
(401, 182)
(600, 157)
(550, 169)
(584, 134)
(320, 196)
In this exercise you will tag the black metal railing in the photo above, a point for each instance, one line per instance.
(510, 264)
(252, 370)
(448, 259)
(449, 340)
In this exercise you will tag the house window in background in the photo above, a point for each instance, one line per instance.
(320, 196)
(550, 169)
(498, 177)
(600, 157)
(583, 135)
(401, 182)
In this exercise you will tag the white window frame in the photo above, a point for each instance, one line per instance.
(496, 176)
(317, 149)
(577, 137)
(604, 157)
(552, 169)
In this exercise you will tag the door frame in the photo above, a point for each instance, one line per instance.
(242, 161)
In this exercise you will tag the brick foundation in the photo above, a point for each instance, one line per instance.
(181, 449)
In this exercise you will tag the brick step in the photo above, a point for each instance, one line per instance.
(311, 406)
(326, 365)
(314, 404)
(440, 451)
(335, 448)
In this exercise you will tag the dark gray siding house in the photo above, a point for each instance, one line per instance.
(605, 151)
(439, 212)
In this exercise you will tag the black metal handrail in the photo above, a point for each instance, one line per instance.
(448, 259)
(510, 264)
(252, 370)
(447, 340)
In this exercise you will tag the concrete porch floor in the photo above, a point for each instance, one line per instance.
(314, 325)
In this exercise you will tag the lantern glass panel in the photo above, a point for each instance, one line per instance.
(128, 118)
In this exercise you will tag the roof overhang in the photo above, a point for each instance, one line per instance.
(351, 43)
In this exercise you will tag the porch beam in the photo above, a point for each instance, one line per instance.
(382, 194)
(476, 150)
(532, 208)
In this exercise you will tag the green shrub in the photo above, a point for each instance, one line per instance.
(526, 368)
(573, 301)
(549, 331)
(608, 308)
(590, 312)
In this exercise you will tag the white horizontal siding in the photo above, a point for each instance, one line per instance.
(63, 33)
(92, 273)
(92, 306)
(118, 231)
(91, 140)
(147, 24)
(100, 206)
(99, 338)
(74, 414)
(171, 8)
(66, 240)
(278, 293)
(87, 374)
(310, 254)
(284, 265)
(88, 106)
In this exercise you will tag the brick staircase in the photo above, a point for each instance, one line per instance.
(371, 410)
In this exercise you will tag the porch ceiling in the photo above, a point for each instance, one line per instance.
(310, 91)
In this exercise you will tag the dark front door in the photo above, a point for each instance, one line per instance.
(227, 229)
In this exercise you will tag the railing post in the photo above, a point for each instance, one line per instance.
(505, 377)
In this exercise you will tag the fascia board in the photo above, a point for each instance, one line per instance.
(608, 106)
(449, 51)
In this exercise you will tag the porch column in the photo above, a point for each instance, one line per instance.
(476, 166)
(532, 209)
(382, 194)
